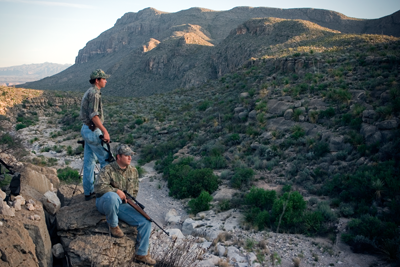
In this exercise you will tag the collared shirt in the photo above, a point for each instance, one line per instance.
(91, 105)
(112, 177)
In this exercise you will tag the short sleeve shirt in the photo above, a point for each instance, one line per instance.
(91, 105)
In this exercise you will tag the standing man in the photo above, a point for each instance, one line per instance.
(92, 117)
(113, 179)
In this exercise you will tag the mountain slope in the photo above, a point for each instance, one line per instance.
(182, 45)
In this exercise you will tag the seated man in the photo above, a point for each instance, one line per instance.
(113, 179)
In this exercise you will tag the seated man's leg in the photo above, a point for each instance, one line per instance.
(108, 204)
(134, 218)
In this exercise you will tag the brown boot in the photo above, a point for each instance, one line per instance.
(116, 231)
(146, 259)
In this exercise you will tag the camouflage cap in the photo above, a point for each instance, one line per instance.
(125, 150)
(99, 74)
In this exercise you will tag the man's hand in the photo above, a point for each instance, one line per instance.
(96, 120)
(121, 195)
(106, 137)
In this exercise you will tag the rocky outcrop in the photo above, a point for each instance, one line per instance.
(85, 237)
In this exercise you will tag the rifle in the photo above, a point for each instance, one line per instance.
(108, 149)
(139, 208)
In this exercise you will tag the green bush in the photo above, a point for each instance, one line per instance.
(68, 175)
(242, 176)
(257, 217)
(140, 170)
(320, 149)
(70, 151)
(328, 113)
(297, 132)
(293, 214)
(185, 181)
(215, 162)
(260, 198)
(20, 126)
(204, 105)
(201, 203)
(6, 180)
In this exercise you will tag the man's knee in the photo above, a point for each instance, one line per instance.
(112, 198)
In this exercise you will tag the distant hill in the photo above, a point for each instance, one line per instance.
(151, 52)
(29, 72)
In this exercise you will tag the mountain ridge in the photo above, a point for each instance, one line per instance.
(179, 48)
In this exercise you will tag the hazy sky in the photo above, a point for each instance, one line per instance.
(34, 31)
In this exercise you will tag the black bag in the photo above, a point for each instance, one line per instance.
(15, 184)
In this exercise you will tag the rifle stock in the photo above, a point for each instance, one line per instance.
(137, 206)
(138, 209)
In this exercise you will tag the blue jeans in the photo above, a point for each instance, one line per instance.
(110, 204)
(93, 150)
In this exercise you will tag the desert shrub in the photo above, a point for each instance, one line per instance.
(369, 232)
(320, 149)
(257, 217)
(12, 143)
(140, 170)
(68, 175)
(6, 181)
(20, 126)
(260, 198)
(242, 176)
(201, 203)
(346, 209)
(70, 151)
(204, 105)
(297, 132)
(232, 139)
(294, 205)
(328, 113)
(286, 188)
(129, 139)
(185, 181)
(214, 162)
(151, 152)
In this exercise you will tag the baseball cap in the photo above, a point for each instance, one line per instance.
(125, 150)
(99, 74)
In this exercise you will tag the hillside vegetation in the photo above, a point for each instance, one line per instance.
(315, 112)
(152, 52)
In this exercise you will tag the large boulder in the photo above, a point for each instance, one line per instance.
(86, 239)
(16, 245)
(277, 108)
(370, 133)
(42, 179)
(387, 125)
(25, 240)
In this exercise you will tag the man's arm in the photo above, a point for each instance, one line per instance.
(103, 182)
(96, 120)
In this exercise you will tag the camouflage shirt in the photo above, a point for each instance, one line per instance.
(91, 105)
(112, 178)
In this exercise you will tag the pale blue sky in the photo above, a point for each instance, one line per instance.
(34, 31)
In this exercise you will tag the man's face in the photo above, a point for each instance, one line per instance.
(124, 161)
(101, 83)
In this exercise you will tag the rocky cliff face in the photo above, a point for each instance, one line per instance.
(153, 52)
